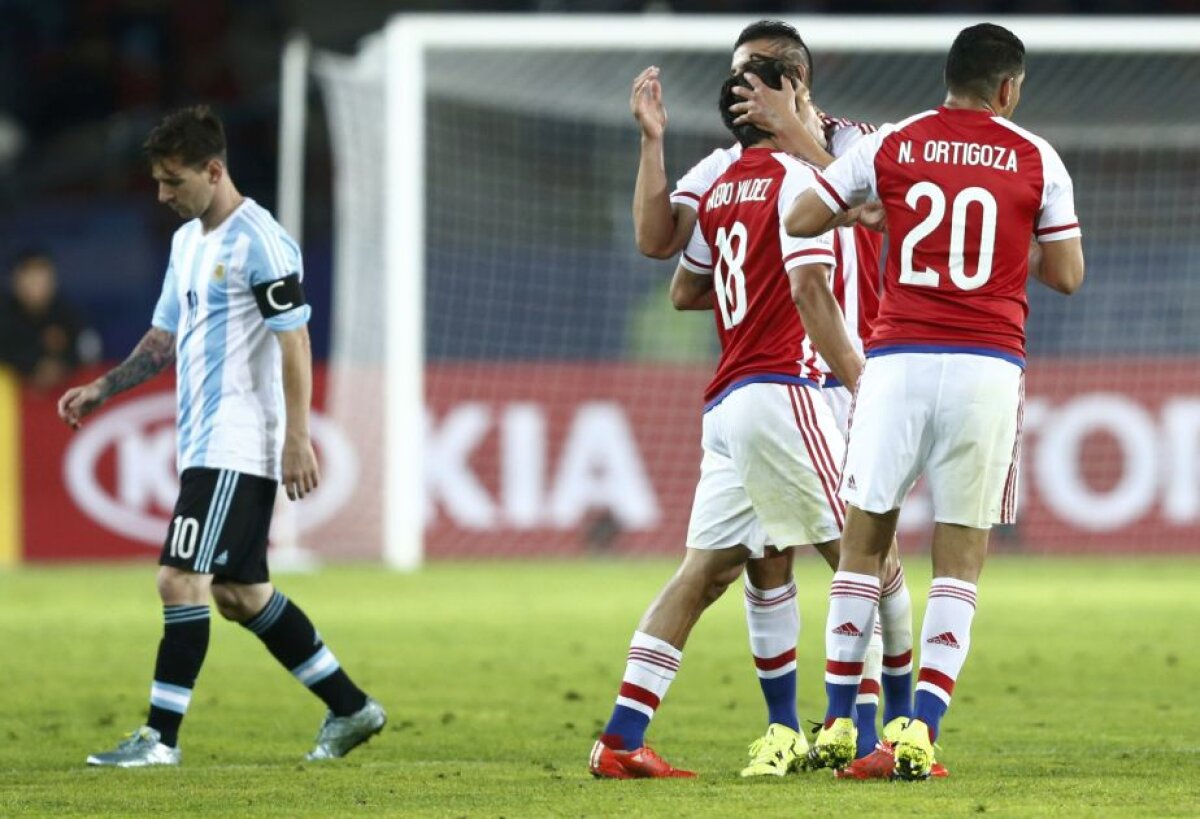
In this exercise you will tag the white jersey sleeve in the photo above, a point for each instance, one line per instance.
(697, 256)
(850, 179)
(796, 251)
(692, 186)
(166, 311)
(1057, 219)
(843, 134)
(273, 255)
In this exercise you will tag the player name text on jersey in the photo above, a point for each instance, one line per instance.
(745, 190)
(962, 153)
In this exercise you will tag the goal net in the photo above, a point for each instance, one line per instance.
(512, 374)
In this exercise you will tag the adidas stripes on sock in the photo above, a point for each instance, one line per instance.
(181, 653)
(773, 619)
(853, 599)
(895, 615)
(291, 638)
(866, 704)
(649, 671)
(945, 640)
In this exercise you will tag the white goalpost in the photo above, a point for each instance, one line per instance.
(461, 140)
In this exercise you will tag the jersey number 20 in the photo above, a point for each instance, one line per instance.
(958, 236)
(729, 281)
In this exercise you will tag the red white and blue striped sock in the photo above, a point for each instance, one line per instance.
(866, 704)
(945, 640)
(773, 619)
(853, 600)
(895, 615)
(651, 667)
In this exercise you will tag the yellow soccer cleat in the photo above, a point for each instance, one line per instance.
(834, 746)
(914, 752)
(780, 751)
(891, 731)
(891, 735)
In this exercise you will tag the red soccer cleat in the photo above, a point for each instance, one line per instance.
(879, 764)
(605, 763)
(876, 765)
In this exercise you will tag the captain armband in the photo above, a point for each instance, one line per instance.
(279, 296)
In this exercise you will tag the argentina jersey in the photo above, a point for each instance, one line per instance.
(228, 370)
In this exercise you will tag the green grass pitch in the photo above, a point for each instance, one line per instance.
(1080, 697)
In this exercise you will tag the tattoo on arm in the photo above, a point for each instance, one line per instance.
(154, 353)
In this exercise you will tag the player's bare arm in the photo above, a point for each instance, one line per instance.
(809, 216)
(661, 229)
(300, 472)
(691, 291)
(788, 114)
(823, 321)
(154, 353)
(1059, 265)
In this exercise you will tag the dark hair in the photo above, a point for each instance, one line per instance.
(790, 45)
(27, 255)
(192, 135)
(771, 72)
(981, 59)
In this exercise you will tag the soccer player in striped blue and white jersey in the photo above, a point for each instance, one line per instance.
(233, 319)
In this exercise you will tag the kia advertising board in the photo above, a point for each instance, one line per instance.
(538, 459)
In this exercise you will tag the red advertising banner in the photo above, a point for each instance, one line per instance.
(107, 491)
(597, 458)
(570, 459)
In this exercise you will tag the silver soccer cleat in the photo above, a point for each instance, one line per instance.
(138, 750)
(341, 735)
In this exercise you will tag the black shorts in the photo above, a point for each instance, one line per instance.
(221, 524)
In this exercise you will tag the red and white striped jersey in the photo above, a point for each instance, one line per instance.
(740, 241)
(964, 190)
(858, 281)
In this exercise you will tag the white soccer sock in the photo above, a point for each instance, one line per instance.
(649, 672)
(853, 600)
(945, 636)
(895, 615)
(773, 620)
(868, 689)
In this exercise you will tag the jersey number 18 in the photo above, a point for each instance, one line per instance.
(729, 280)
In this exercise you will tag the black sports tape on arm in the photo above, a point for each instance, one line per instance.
(279, 296)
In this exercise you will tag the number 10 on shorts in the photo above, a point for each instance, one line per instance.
(184, 532)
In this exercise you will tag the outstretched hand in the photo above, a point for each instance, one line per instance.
(78, 402)
(645, 102)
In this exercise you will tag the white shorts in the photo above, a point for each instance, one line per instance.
(770, 471)
(954, 417)
(840, 401)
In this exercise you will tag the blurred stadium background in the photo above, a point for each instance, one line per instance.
(562, 393)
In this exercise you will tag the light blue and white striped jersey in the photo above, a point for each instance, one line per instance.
(227, 361)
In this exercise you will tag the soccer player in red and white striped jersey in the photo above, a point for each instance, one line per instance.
(771, 445)
(964, 191)
(663, 225)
